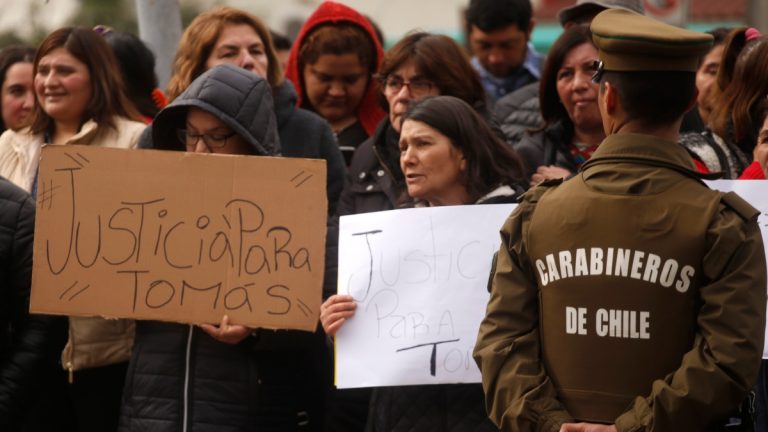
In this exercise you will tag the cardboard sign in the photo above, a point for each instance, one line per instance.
(756, 193)
(179, 237)
(420, 279)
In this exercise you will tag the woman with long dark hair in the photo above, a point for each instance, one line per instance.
(449, 155)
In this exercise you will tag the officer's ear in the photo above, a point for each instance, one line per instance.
(609, 98)
(693, 101)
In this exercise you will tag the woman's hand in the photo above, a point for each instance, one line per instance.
(335, 311)
(549, 172)
(224, 332)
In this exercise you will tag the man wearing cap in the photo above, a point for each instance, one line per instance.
(642, 306)
(519, 111)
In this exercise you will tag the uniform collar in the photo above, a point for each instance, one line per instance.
(645, 150)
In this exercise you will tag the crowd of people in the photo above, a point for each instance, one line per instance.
(621, 119)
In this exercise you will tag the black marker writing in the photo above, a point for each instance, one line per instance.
(433, 357)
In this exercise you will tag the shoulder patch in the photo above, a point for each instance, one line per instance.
(533, 194)
(739, 205)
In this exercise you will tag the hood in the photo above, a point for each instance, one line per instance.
(369, 113)
(237, 97)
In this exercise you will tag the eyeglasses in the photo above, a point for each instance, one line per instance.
(417, 87)
(212, 141)
(599, 68)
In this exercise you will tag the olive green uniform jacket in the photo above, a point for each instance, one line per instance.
(719, 360)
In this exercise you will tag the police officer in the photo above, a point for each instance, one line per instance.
(630, 297)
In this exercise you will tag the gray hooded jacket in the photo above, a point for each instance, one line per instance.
(240, 99)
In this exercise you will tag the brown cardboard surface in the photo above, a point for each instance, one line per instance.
(179, 237)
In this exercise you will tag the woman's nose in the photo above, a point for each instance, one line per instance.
(247, 61)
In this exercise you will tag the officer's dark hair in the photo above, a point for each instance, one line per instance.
(552, 109)
(491, 15)
(654, 98)
(490, 161)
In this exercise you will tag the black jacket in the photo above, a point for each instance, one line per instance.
(304, 134)
(29, 344)
(272, 380)
(518, 112)
(374, 181)
(548, 147)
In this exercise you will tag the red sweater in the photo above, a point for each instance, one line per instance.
(753, 172)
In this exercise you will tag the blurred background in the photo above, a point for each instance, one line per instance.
(28, 21)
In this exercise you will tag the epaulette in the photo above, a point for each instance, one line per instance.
(739, 205)
(533, 194)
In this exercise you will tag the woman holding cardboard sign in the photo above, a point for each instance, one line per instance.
(233, 36)
(226, 377)
(79, 99)
(449, 156)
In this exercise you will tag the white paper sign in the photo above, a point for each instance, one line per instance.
(756, 193)
(420, 278)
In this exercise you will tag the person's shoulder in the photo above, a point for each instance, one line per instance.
(739, 206)
(17, 217)
(539, 192)
(526, 95)
(11, 194)
(131, 126)
(10, 139)
(308, 121)
(364, 157)
(128, 132)
(16, 146)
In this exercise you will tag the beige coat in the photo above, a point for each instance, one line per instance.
(92, 341)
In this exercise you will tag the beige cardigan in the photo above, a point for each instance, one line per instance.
(93, 341)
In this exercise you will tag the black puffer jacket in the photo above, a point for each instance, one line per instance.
(178, 375)
(29, 344)
(374, 181)
(304, 134)
(547, 147)
(518, 112)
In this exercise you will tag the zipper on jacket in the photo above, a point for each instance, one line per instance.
(70, 365)
(187, 360)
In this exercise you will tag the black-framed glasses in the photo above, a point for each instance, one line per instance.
(599, 68)
(212, 141)
(418, 87)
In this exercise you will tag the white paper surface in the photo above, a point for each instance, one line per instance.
(756, 193)
(420, 278)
